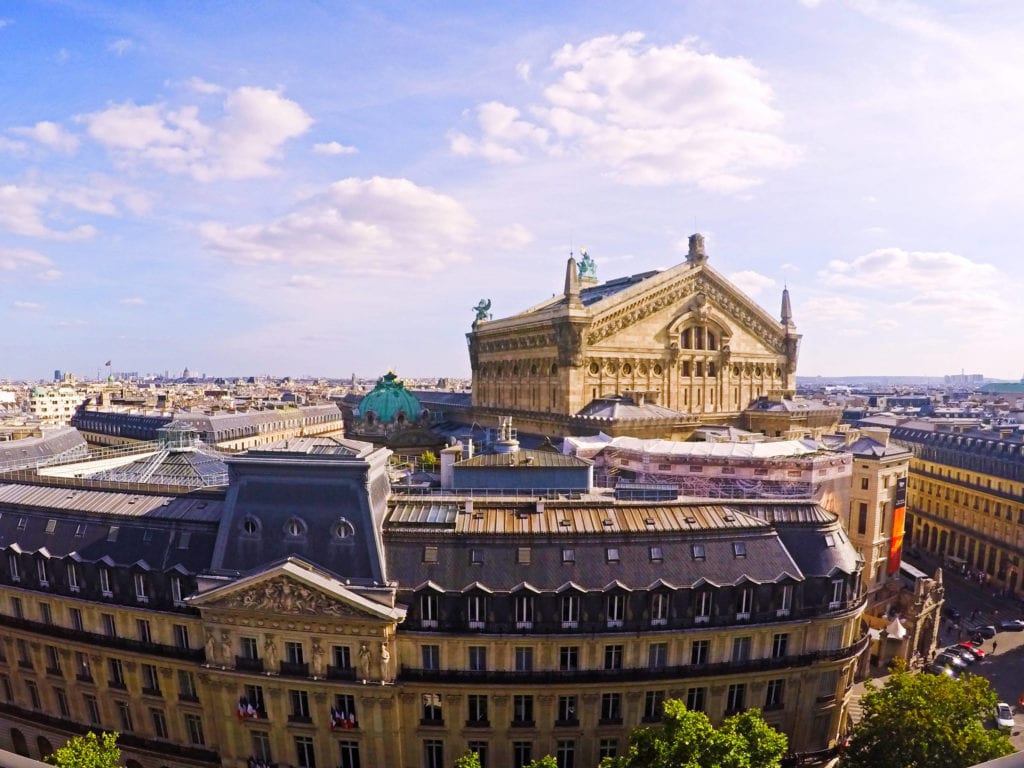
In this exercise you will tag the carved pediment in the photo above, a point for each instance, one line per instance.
(286, 596)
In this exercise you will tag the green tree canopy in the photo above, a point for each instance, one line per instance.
(926, 720)
(468, 760)
(89, 751)
(687, 739)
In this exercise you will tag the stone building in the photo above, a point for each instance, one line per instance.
(684, 344)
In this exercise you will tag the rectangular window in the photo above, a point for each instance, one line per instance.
(349, 754)
(17, 608)
(656, 554)
(83, 671)
(341, 654)
(659, 609)
(159, 723)
(611, 708)
(433, 753)
(150, 680)
(109, 625)
(141, 588)
(613, 657)
(62, 702)
(734, 697)
(176, 596)
(343, 714)
(477, 709)
(181, 636)
(75, 615)
(523, 555)
(45, 615)
(124, 714)
(305, 755)
(773, 694)
(834, 638)
(827, 683)
(654, 702)
(616, 610)
(780, 644)
(522, 753)
(477, 658)
(524, 611)
(261, 746)
(116, 673)
(105, 583)
(565, 753)
(566, 714)
(92, 709)
(862, 519)
(522, 709)
(570, 611)
(479, 748)
(428, 610)
(72, 572)
(33, 695)
(431, 656)
(433, 714)
(42, 573)
(837, 594)
(144, 631)
(430, 554)
(612, 554)
(300, 706)
(476, 611)
(24, 659)
(5, 689)
(249, 648)
(702, 608)
(52, 660)
(741, 649)
(524, 659)
(699, 650)
(293, 652)
(785, 600)
(696, 698)
(187, 686)
(568, 658)
(12, 565)
(607, 748)
(568, 555)
(657, 655)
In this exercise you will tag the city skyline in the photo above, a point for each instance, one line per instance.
(330, 188)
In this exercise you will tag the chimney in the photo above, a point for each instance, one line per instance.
(572, 284)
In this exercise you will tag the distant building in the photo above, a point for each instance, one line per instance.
(55, 405)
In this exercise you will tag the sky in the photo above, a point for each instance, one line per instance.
(327, 188)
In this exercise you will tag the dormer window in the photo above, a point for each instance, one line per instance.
(294, 528)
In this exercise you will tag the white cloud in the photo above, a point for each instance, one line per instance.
(21, 214)
(356, 226)
(121, 47)
(133, 301)
(244, 143)
(50, 135)
(12, 146)
(50, 274)
(751, 283)
(523, 70)
(12, 259)
(333, 148)
(649, 115)
(514, 237)
(104, 195)
(29, 306)
(199, 85)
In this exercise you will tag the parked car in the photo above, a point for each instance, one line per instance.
(962, 653)
(972, 649)
(1011, 625)
(938, 669)
(948, 659)
(986, 632)
(1004, 715)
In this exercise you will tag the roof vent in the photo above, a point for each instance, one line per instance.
(564, 523)
(606, 523)
(691, 520)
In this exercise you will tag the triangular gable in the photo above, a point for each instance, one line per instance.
(613, 585)
(660, 584)
(525, 586)
(704, 582)
(570, 586)
(294, 588)
(431, 585)
(44, 552)
(107, 560)
(476, 586)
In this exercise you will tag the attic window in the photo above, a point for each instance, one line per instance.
(80, 530)
(612, 554)
(656, 555)
(830, 540)
(251, 525)
(523, 555)
(697, 550)
(51, 526)
(476, 556)
(183, 539)
(568, 555)
(22, 523)
(739, 549)
(430, 554)
(147, 535)
(295, 528)
(343, 529)
(112, 533)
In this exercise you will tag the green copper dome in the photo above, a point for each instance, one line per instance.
(389, 399)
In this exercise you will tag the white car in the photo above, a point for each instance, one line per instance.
(1004, 715)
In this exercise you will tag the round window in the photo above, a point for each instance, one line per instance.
(595, 369)
(627, 369)
(656, 370)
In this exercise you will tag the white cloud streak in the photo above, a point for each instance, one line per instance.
(49, 135)
(333, 148)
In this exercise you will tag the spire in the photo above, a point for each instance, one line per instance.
(572, 283)
(787, 309)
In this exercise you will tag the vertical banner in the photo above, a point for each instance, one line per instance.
(899, 514)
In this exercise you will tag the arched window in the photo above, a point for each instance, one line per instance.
(251, 525)
(343, 529)
(294, 528)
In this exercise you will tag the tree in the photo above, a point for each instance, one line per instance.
(428, 458)
(469, 760)
(545, 762)
(687, 739)
(88, 751)
(921, 719)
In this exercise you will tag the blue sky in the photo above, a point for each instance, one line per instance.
(330, 187)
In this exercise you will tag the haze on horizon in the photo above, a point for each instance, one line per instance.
(331, 187)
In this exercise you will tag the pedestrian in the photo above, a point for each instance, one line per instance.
(994, 646)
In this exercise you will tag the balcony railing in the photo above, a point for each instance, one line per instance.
(294, 668)
(105, 641)
(247, 664)
(725, 619)
(537, 677)
(341, 673)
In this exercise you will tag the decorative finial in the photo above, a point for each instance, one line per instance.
(696, 253)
